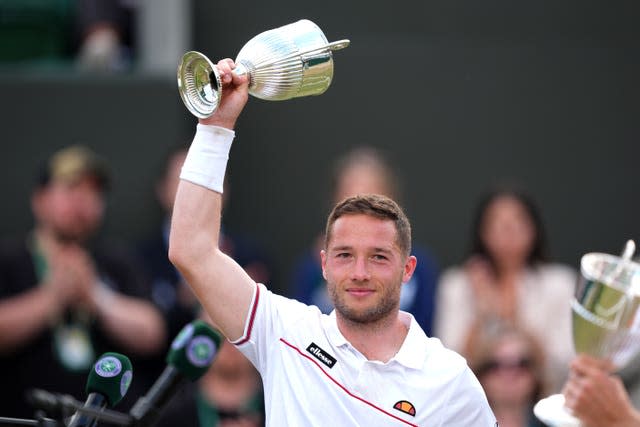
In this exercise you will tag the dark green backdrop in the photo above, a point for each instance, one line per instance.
(461, 94)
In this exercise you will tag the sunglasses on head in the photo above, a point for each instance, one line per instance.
(521, 363)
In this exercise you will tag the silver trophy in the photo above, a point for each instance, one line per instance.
(606, 320)
(287, 62)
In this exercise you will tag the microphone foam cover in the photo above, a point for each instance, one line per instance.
(110, 376)
(193, 349)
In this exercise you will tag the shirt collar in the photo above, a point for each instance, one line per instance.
(413, 351)
(335, 336)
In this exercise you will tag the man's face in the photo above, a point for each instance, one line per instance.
(365, 268)
(71, 210)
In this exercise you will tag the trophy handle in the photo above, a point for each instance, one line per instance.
(340, 44)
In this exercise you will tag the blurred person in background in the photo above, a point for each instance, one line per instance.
(168, 288)
(509, 363)
(96, 35)
(66, 297)
(365, 170)
(106, 29)
(596, 397)
(507, 280)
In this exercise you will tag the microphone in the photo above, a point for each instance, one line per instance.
(190, 356)
(107, 384)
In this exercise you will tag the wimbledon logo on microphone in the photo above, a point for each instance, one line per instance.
(108, 367)
(201, 351)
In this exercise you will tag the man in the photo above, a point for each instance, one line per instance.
(366, 362)
(64, 299)
(596, 397)
(365, 170)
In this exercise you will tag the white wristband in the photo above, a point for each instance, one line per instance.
(206, 161)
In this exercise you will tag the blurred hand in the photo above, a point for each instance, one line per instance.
(60, 280)
(82, 265)
(235, 93)
(596, 397)
(483, 284)
(77, 277)
(495, 299)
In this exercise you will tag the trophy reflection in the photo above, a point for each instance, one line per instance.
(287, 62)
(606, 320)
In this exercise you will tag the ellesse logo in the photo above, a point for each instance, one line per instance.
(321, 355)
(406, 407)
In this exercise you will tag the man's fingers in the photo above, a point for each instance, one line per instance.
(227, 76)
(224, 67)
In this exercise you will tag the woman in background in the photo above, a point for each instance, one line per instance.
(506, 280)
(509, 363)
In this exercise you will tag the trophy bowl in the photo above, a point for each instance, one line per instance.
(605, 321)
(287, 62)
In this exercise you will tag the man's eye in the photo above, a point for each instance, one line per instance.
(343, 255)
(379, 257)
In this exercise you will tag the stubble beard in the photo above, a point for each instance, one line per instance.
(388, 304)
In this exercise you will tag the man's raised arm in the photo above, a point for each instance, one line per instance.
(223, 288)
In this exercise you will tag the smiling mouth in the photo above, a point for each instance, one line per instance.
(360, 292)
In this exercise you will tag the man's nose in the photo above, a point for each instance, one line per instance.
(360, 269)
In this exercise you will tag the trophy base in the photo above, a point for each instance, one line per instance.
(199, 84)
(551, 411)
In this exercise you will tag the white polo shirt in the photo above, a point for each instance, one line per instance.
(312, 376)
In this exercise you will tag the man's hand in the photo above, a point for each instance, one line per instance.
(73, 276)
(235, 92)
(62, 279)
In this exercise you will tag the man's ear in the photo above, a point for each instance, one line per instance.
(323, 261)
(409, 268)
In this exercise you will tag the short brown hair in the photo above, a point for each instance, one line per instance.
(72, 163)
(376, 206)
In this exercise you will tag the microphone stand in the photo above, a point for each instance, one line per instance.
(104, 415)
(61, 403)
(107, 416)
(17, 422)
